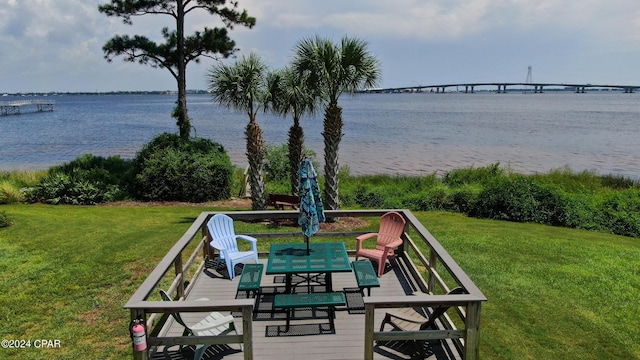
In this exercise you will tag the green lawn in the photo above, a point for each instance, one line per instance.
(553, 293)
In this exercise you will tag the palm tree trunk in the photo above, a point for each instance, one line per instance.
(332, 135)
(255, 156)
(296, 141)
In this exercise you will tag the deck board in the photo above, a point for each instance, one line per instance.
(347, 342)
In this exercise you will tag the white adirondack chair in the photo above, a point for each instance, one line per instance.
(213, 324)
(224, 239)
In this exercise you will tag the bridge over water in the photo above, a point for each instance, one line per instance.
(502, 87)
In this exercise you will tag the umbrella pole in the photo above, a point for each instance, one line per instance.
(306, 239)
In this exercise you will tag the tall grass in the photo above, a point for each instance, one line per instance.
(12, 183)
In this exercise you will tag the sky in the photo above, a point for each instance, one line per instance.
(56, 45)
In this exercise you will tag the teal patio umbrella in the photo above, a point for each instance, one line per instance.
(311, 209)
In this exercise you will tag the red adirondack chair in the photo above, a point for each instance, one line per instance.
(387, 239)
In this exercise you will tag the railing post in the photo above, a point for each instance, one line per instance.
(140, 355)
(431, 279)
(205, 246)
(247, 332)
(179, 272)
(472, 326)
(207, 249)
(369, 312)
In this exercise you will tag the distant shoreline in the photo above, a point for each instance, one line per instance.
(396, 134)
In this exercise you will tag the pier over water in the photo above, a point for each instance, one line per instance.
(15, 107)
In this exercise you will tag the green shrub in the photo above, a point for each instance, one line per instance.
(464, 197)
(620, 213)
(5, 220)
(436, 198)
(277, 164)
(87, 180)
(519, 198)
(110, 171)
(278, 168)
(60, 188)
(581, 212)
(369, 198)
(170, 169)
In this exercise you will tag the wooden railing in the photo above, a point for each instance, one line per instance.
(467, 305)
(141, 308)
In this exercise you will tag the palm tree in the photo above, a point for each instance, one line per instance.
(243, 87)
(289, 94)
(330, 70)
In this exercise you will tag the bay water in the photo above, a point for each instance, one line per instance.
(404, 134)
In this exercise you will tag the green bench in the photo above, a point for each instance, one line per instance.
(366, 276)
(312, 300)
(250, 278)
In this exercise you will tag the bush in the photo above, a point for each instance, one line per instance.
(621, 213)
(171, 169)
(5, 220)
(87, 180)
(277, 164)
(369, 199)
(464, 198)
(278, 167)
(519, 198)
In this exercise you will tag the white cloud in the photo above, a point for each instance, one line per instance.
(65, 37)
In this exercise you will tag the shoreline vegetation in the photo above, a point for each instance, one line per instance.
(561, 197)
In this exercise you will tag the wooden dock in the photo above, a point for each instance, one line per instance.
(15, 107)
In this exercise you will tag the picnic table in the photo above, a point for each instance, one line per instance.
(324, 258)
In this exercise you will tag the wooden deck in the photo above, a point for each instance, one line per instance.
(309, 337)
(356, 333)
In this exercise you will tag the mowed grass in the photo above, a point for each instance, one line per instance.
(554, 293)
(66, 272)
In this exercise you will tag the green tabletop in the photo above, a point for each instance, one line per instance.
(324, 257)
